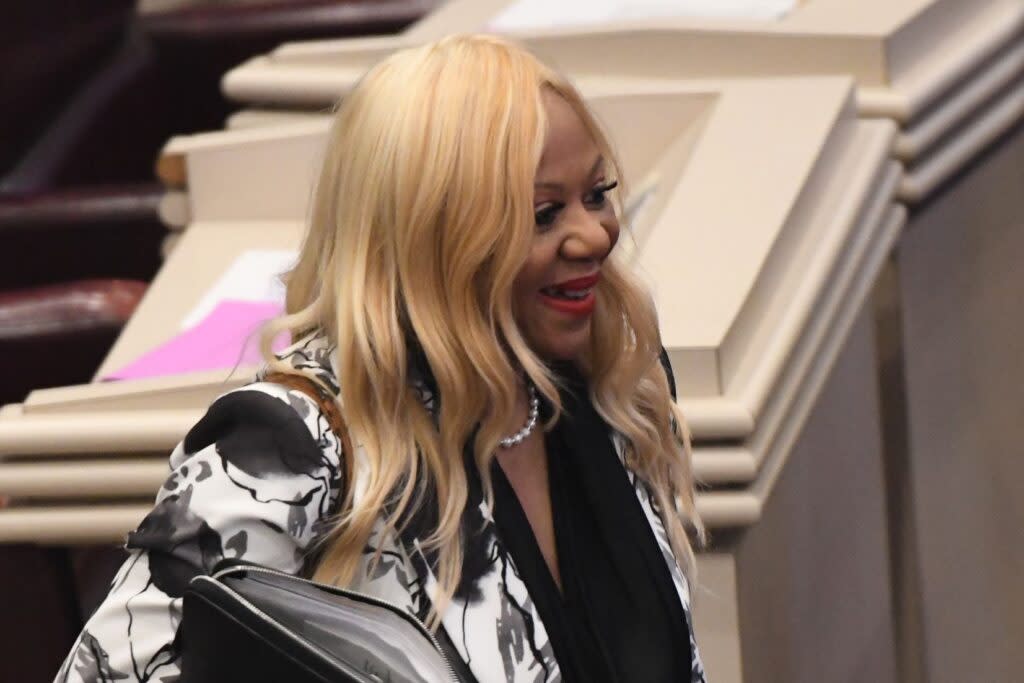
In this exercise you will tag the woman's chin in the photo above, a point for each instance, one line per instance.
(565, 346)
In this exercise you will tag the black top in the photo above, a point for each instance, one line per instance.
(620, 619)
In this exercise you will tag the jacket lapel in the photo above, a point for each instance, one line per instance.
(492, 621)
(678, 578)
(653, 516)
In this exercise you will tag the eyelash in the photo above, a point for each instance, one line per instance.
(547, 215)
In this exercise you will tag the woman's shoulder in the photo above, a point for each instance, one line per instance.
(264, 428)
(268, 415)
(254, 478)
(262, 452)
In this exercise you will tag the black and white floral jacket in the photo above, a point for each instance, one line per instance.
(255, 479)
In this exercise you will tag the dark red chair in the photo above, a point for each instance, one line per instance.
(59, 334)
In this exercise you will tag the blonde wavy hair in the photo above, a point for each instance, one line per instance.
(421, 219)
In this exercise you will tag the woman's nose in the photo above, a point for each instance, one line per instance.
(586, 237)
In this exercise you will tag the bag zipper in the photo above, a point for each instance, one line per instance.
(355, 595)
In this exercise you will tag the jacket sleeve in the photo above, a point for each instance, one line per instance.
(254, 479)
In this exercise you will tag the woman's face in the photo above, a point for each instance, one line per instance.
(576, 228)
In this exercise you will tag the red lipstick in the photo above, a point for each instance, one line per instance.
(578, 283)
(568, 304)
(575, 307)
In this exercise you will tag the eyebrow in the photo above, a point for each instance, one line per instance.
(558, 186)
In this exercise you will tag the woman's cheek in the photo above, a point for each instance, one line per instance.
(613, 233)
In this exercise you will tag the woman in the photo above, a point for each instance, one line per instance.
(519, 476)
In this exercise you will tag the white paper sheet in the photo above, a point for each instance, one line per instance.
(545, 14)
(254, 276)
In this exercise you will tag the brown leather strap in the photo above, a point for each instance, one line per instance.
(324, 400)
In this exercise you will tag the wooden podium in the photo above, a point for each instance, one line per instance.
(950, 75)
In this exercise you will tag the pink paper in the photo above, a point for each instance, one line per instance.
(227, 337)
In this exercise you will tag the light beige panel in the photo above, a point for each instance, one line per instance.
(86, 478)
(187, 392)
(264, 173)
(793, 395)
(783, 299)
(174, 210)
(962, 283)
(258, 118)
(803, 402)
(715, 616)
(71, 525)
(918, 48)
(799, 388)
(91, 432)
(693, 214)
(699, 217)
(934, 66)
(669, 126)
(812, 575)
(990, 84)
(946, 44)
(982, 129)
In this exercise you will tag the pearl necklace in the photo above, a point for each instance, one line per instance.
(531, 421)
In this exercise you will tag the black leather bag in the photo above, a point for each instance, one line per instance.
(250, 623)
(253, 624)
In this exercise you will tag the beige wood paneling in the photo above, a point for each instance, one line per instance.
(964, 342)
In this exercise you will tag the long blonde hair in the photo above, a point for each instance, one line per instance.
(421, 220)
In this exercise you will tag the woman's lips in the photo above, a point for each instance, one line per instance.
(578, 283)
(574, 307)
(578, 307)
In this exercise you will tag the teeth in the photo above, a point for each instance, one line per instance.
(572, 294)
(577, 294)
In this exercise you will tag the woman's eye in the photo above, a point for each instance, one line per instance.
(597, 196)
(547, 215)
